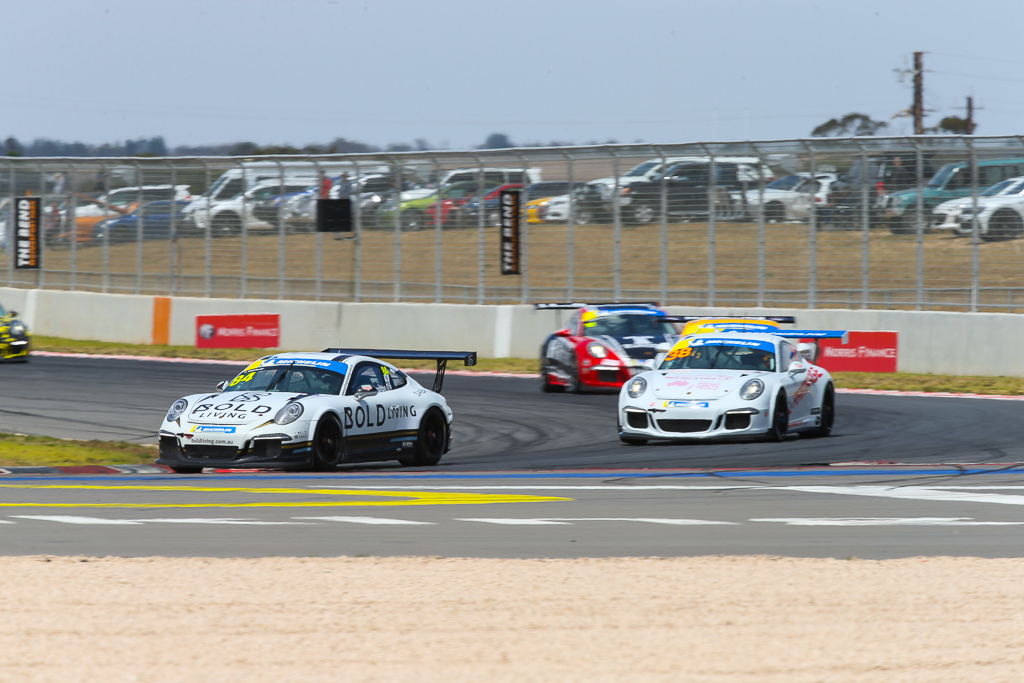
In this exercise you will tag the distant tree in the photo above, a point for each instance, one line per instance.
(497, 141)
(851, 125)
(954, 125)
(241, 149)
(13, 148)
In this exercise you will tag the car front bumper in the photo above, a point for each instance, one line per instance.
(14, 349)
(230, 446)
(671, 420)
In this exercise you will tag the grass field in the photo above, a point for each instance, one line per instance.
(778, 264)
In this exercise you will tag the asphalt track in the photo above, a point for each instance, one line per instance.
(530, 475)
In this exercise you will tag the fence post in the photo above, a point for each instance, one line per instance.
(281, 248)
(712, 224)
(207, 244)
(318, 259)
(865, 225)
(663, 231)
(617, 230)
(975, 225)
(919, 246)
(570, 234)
(812, 235)
(173, 229)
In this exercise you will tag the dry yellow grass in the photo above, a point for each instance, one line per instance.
(846, 267)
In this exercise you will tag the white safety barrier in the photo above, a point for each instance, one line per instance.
(929, 342)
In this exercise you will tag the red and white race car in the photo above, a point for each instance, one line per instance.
(604, 345)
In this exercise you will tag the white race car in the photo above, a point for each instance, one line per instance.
(729, 378)
(313, 411)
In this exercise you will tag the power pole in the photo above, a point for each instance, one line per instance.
(917, 110)
(970, 115)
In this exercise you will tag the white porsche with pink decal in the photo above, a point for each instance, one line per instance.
(730, 378)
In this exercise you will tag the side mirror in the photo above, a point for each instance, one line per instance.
(797, 369)
(563, 333)
(222, 385)
(12, 313)
(360, 395)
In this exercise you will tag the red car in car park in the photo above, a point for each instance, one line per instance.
(604, 345)
(452, 210)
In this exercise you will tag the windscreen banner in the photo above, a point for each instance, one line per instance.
(238, 331)
(27, 237)
(863, 352)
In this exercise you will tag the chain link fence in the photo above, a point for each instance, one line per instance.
(929, 223)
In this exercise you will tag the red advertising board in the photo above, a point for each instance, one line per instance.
(863, 352)
(238, 331)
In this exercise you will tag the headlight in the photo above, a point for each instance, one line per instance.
(17, 329)
(596, 350)
(177, 408)
(288, 414)
(752, 389)
(636, 386)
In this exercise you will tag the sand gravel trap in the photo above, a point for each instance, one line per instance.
(435, 619)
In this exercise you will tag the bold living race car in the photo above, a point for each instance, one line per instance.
(730, 378)
(15, 339)
(313, 411)
(604, 345)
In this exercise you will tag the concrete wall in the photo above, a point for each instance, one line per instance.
(936, 342)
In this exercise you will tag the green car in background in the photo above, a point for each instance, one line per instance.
(950, 182)
(413, 212)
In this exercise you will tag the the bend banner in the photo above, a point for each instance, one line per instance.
(509, 232)
(238, 331)
(27, 233)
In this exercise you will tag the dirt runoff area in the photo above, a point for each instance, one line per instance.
(437, 619)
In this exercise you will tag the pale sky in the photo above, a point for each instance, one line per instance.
(453, 71)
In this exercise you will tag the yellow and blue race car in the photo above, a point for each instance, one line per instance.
(14, 337)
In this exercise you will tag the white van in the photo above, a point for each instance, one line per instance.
(491, 176)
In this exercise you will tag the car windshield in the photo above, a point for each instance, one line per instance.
(721, 357)
(996, 189)
(643, 168)
(785, 183)
(940, 178)
(289, 378)
(628, 324)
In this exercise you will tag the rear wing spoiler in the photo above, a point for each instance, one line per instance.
(442, 357)
(789, 319)
(580, 304)
(813, 334)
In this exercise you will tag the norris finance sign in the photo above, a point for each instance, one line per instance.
(863, 352)
(238, 331)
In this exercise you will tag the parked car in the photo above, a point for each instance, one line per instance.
(789, 198)
(412, 212)
(996, 213)
(89, 210)
(687, 190)
(222, 217)
(151, 221)
(953, 180)
(537, 196)
(467, 215)
(861, 190)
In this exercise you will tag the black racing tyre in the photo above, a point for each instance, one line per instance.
(780, 418)
(412, 220)
(774, 212)
(1003, 225)
(431, 441)
(546, 386)
(642, 214)
(178, 469)
(573, 385)
(903, 225)
(328, 444)
(828, 412)
(227, 224)
(583, 217)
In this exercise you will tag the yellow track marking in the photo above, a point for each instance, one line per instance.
(396, 498)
